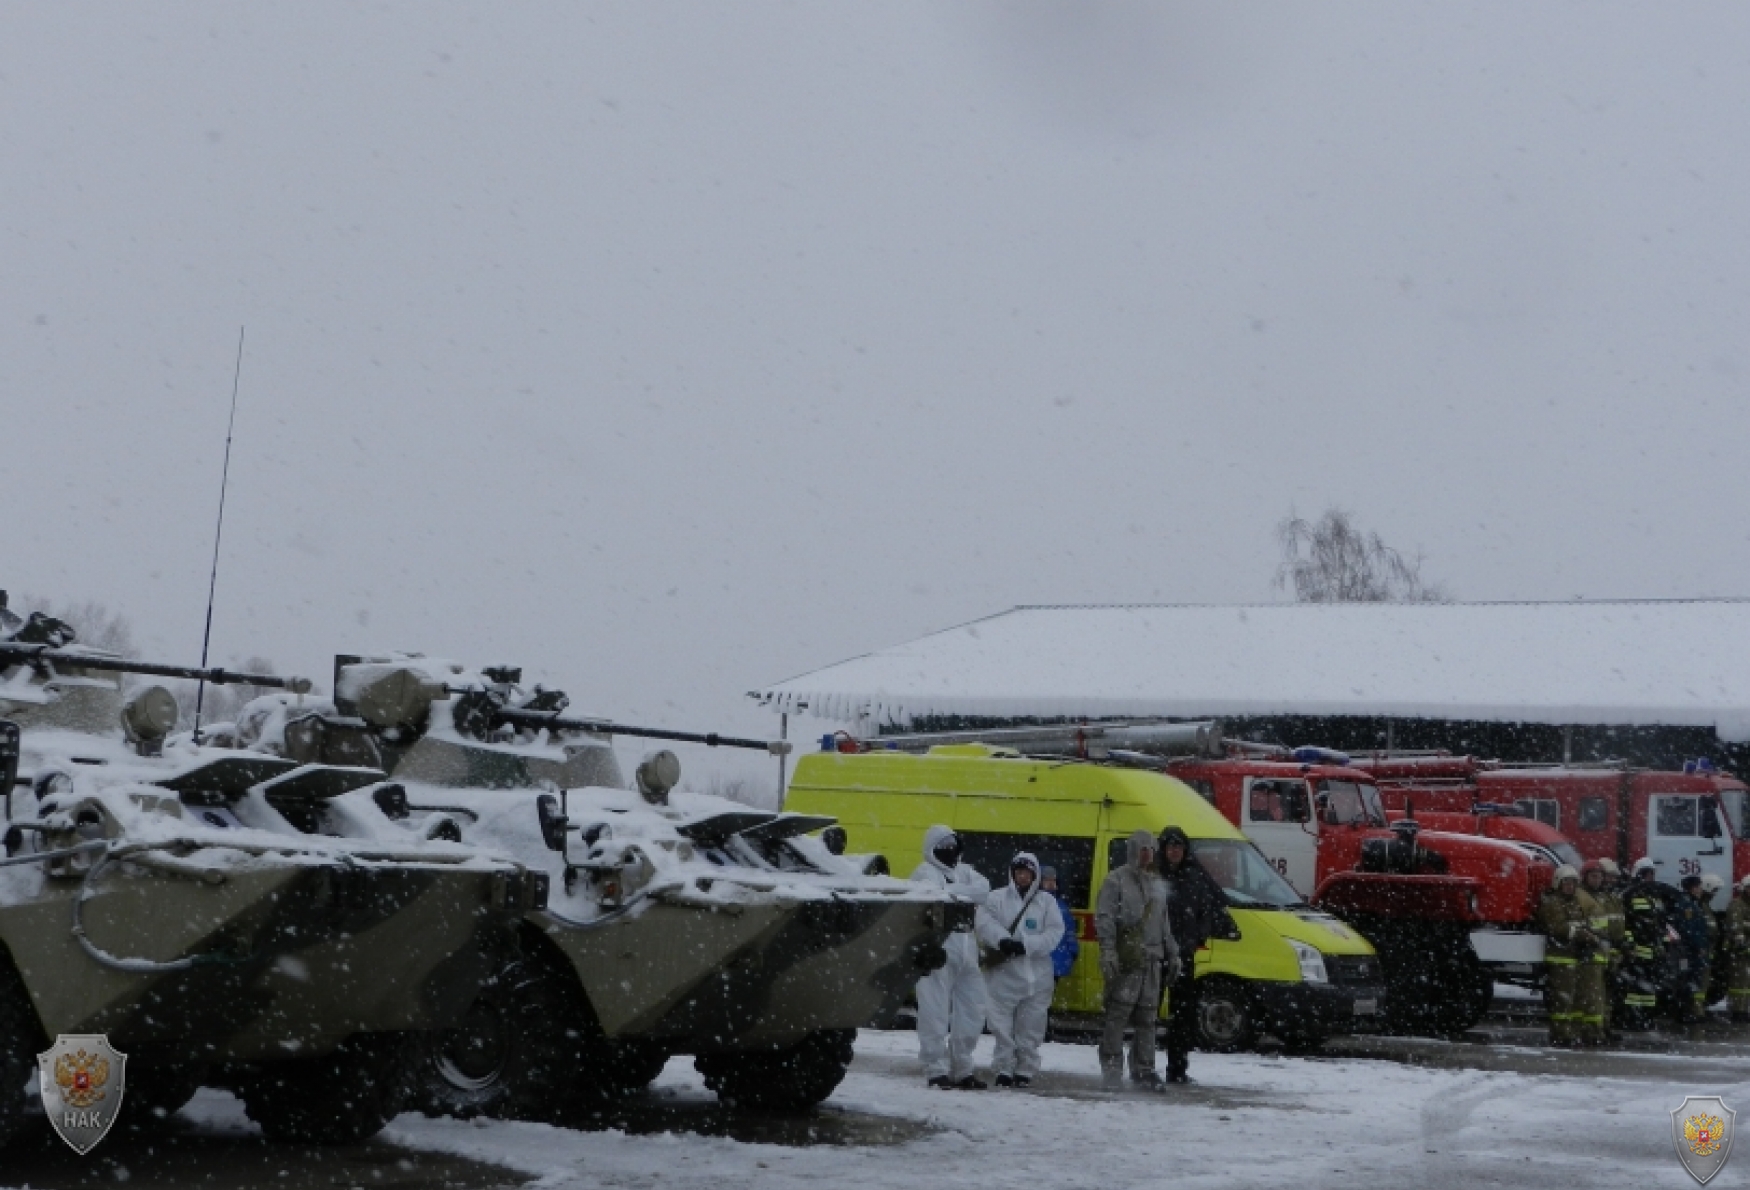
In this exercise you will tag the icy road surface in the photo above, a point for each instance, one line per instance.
(1531, 1118)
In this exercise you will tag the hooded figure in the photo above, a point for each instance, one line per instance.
(1063, 959)
(951, 999)
(1022, 925)
(1196, 913)
(1136, 941)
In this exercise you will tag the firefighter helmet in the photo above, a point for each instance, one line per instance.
(1644, 864)
(1610, 868)
(1592, 865)
(1565, 872)
(1712, 882)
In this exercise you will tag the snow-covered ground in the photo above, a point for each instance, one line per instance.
(1249, 1120)
(1429, 1119)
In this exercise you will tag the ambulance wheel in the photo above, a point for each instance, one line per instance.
(787, 1081)
(339, 1098)
(1225, 1021)
(19, 1034)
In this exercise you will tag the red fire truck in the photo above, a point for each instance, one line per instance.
(1449, 908)
(1688, 823)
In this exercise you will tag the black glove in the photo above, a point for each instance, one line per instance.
(1013, 947)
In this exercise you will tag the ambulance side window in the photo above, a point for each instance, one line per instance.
(1594, 813)
(991, 851)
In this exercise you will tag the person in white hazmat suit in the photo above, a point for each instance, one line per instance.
(1021, 925)
(951, 999)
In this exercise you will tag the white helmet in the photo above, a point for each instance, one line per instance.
(1609, 866)
(1712, 882)
(1565, 872)
(1646, 865)
(1744, 884)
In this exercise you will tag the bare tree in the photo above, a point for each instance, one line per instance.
(1331, 560)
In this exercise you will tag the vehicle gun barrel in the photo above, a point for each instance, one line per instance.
(34, 654)
(536, 719)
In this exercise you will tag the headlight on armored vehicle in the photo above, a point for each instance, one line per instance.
(1312, 962)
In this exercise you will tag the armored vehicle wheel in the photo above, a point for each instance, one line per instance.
(156, 1091)
(18, 1047)
(790, 1080)
(530, 1048)
(339, 1098)
(1224, 1016)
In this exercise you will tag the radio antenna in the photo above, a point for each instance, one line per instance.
(200, 694)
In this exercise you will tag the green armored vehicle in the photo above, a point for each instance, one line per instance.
(225, 915)
(679, 923)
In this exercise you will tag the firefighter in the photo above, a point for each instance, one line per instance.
(1565, 916)
(1644, 902)
(1596, 877)
(1711, 885)
(1738, 949)
(1693, 920)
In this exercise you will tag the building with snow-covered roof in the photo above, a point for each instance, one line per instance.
(1651, 681)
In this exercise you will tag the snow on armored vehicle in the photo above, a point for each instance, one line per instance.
(679, 923)
(225, 916)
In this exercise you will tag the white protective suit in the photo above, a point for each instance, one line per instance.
(1020, 987)
(951, 1000)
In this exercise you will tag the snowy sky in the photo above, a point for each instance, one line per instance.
(673, 349)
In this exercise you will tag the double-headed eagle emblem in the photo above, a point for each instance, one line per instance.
(81, 1077)
(1703, 1133)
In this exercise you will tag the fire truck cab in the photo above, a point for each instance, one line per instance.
(1689, 823)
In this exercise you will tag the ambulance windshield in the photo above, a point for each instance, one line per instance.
(1244, 874)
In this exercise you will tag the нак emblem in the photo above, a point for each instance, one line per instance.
(83, 1077)
(1702, 1131)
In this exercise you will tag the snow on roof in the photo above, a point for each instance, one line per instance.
(1639, 663)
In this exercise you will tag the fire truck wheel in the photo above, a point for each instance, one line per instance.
(18, 1046)
(1225, 1020)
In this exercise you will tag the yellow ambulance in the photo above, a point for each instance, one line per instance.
(1293, 972)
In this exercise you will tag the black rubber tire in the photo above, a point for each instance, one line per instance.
(1226, 1022)
(788, 1081)
(339, 1098)
(20, 1037)
(531, 1049)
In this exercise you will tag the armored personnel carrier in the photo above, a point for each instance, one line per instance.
(225, 915)
(679, 923)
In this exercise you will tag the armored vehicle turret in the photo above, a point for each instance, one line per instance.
(679, 923)
(225, 915)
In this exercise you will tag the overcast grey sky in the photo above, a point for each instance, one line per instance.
(672, 349)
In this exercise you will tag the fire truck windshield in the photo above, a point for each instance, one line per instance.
(1244, 874)
(1349, 803)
